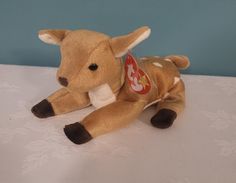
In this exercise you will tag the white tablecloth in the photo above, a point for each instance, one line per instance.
(199, 148)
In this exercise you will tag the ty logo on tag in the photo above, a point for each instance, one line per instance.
(137, 79)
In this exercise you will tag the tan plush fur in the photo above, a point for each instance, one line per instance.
(81, 48)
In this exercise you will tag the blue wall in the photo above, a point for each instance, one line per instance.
(205, 30)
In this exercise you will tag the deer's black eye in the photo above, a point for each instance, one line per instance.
(93, 67)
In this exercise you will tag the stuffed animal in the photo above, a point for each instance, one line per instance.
(92, 73)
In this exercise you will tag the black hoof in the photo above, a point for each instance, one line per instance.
(164, 118)
(43, 109)
(77, 133)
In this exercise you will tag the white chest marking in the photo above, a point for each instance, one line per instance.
(101, 96)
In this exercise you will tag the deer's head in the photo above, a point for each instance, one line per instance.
(88, 58)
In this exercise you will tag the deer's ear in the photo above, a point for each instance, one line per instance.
(122, 44)
(52, 36)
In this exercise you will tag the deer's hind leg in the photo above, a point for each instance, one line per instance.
(170, 107)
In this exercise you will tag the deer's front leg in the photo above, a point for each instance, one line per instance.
(104, 120)
(61, 101)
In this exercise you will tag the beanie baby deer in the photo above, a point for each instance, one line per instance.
(92, 73)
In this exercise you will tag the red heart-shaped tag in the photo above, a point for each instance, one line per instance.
(138, 80)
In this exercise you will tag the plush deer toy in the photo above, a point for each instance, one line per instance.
(92, 73)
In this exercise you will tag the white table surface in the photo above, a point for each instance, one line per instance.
(199, 148)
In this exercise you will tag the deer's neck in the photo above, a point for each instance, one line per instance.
(117, 82)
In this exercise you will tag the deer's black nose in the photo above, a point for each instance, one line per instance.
(63, 81)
